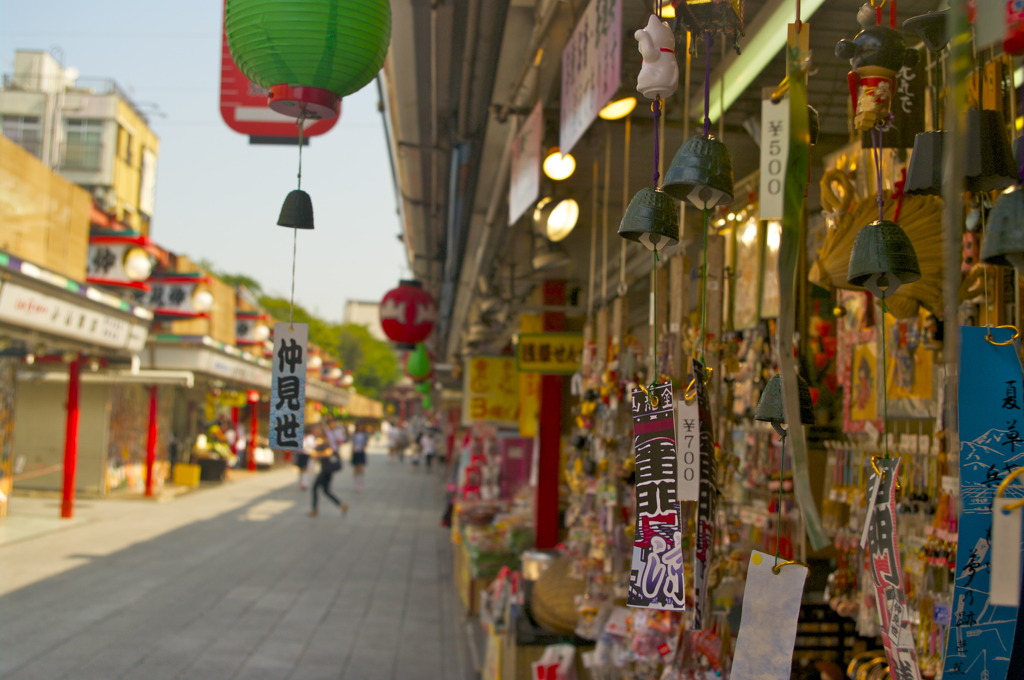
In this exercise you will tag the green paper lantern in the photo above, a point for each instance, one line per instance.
(428, 403)
(417, 364)
(423, 388)
(308, 53)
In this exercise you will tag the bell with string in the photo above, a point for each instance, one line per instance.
(770, 407)
(297, 211)
(652, 219)
(882, 259)
(990, 164)
(700, 173)
(924, 173)
(1003, 240)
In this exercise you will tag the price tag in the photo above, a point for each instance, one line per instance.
(687, 451)
(1006, 544)
(774, 155)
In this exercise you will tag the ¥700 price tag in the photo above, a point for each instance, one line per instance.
(687, 451)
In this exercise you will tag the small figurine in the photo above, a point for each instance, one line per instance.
(876, 54)
(659, 75)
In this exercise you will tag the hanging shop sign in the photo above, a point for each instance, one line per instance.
(182, 296)
(552, 353)
(490, 392)
(524, 183)
(774, 155)
(991, 447)
(656, 580)
(38, 311)
(118, 260)
(591, 69)
(288, 386)
(251, 328)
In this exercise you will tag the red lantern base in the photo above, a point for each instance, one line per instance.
(296, 101)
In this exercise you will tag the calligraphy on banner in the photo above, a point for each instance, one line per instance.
(591, 69)
(288, 386)
(707, 503)
(173, 295)
(490, 392)
(991, 446)
(896, 628)
(551, 353)
(656, 580)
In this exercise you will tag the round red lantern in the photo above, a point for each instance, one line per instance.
(407, 314)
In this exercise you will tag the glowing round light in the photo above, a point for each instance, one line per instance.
(562, 219)
(347, 380)
(137, 264)
(749, 233)
(620, 108)
(558, 166)
(774, 238)
(334, 373)
(202, 301)
(315, 362)
(261, 332)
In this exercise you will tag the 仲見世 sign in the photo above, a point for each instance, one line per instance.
(288, 386)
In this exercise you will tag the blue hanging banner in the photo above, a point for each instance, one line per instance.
(288, 387)
(991, 446)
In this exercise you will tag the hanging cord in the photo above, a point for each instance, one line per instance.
(707, 83)
(704, 288)
(885, 387)
(295, 230)
(656, 109)
(1020, 168)
(778, 509)
(876, 138)
(654, 319)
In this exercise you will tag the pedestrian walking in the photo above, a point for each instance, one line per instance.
(330, 462)
(396, 442)
(302, 457)
(359, 441)
(428, 447)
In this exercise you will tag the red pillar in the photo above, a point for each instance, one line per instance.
(550, 430)
(254, 428)
(67, 504)
(235, 419)
(151, 433)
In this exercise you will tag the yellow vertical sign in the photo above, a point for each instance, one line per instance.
(490, 394)
(529, 384)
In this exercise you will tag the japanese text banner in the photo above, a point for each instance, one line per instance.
(288, 387)
(551, 353)
(491, 392)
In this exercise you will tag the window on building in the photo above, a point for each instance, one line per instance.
(82, 147)
(26, 132)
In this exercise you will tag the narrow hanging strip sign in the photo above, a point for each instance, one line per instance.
(790, 253)
(288, 387)
(656, 580)
(687, 451)
(707, 504)
(1006, 549)
(771, 607)
(991, 419)
(896, 629)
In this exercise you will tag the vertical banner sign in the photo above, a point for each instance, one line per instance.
(490, 392)
(896, 629)
(774, 155)
(591, 67)
(288, 386)
(656, 579)
(991, 446)
(687, 451)
(771, 607)
(707, 504)
(524, 171)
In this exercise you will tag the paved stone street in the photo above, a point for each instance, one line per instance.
(235, 581)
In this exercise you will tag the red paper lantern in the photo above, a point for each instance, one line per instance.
(407, 313)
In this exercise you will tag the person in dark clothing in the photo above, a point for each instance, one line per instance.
(330, 462)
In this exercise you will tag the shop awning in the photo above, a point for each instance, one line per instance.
(363, 407)
(40, 306)
(206, 357)
(142, 377)
(327, 394)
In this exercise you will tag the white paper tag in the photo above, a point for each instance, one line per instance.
(771, 607)
(1006, 544)
(774, 156)
(687, 451)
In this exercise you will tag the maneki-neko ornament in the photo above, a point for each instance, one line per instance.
(659, 73)
(876, 54)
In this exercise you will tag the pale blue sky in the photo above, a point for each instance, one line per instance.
(217, 196)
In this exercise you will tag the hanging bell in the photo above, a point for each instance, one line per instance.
(701, 173)
(989, 156)
(1003, 240)
(297, 211)
(882, 258)
(770, 408)
(930, 28)
(652, 219)
(924, 173)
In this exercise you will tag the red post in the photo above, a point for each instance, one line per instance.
(254, 428)
(67, 504)
(151, 433)
(235, 419)
(550, 430)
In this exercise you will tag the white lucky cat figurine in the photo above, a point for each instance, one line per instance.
(659, 75)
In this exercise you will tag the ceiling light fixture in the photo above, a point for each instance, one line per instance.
(620, 108)
(559, 166)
